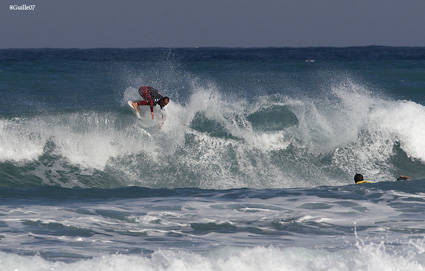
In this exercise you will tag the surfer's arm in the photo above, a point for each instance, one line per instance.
(163, 117)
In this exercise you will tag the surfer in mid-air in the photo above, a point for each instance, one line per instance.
(152, 98)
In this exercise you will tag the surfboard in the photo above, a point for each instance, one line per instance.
(145, 115)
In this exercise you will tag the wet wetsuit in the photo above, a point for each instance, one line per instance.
(360, 182)
(151, 96)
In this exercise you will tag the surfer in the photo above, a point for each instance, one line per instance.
(403, 178)
(152, 98)
(358, 179)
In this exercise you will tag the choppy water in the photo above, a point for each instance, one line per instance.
(252, 170)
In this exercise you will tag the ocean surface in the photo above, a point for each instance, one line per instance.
(252, 169)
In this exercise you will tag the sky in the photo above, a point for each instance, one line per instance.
(206, 23)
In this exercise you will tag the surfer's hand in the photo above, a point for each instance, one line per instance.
(152, 115)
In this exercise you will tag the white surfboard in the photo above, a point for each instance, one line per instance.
(145, 116)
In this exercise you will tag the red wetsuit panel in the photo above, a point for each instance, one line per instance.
(144, 92)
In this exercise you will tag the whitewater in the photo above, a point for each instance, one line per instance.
(252, 170)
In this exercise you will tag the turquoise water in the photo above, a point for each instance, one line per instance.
(253, 167)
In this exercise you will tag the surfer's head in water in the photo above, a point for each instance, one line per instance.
(358, 178)
(163, 101)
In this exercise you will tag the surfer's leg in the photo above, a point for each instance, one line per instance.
(136, 106)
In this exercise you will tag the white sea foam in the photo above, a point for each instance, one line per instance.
(379, 124)
(403, 121)
(87, 139)
(18, 142)
(364, 257)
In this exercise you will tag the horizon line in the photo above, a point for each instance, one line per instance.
(209, 47)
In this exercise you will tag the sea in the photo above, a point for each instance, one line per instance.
(252, 169)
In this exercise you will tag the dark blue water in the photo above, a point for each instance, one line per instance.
(253, 167)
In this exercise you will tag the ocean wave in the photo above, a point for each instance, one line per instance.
(364, 256)
(213, 141)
